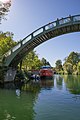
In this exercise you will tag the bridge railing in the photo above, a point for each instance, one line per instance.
(76, 18)
(37, 32)
(52, 25)
(26, 39)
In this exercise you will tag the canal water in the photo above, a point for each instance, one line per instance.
(56, 99)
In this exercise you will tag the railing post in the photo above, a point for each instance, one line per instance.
(57, 22)
(32, 36)
(21, 43)
(71, 17)
(43, 28)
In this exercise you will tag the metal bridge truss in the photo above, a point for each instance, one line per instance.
(51, 30)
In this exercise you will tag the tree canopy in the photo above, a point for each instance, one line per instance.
(6, 42)
(32, 61)
(71, 64)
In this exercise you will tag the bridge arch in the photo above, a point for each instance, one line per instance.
(44, 33)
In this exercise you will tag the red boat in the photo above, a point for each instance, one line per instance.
(46, 72)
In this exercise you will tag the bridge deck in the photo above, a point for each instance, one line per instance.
(44, 33)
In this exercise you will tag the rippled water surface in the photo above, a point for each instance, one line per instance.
(57, 99)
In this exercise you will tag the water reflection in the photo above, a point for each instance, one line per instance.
(60, 101)
(37, 92)
(46, 84)
(72, 83)
(59, 81)
(33, 87)
(12, 108)
(8, 116)
(18, 92)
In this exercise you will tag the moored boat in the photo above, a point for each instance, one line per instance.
(46, 72)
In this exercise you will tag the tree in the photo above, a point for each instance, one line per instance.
(6, 42)
(31, 61)
(73, 58)
(68, 68)
(58, 64)
(4, 9)
(45, 62)
(78, 67)
(74, 68)
(71, 62)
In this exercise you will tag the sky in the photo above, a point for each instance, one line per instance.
(26, 16)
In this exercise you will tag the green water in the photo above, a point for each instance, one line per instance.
(57, 99)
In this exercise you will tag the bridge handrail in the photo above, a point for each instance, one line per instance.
(54, 24)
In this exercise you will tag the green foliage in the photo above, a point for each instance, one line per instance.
(45, 62)
(73, 58)
(68, 68)
(78, 67)
(71, 63)
(58, 65)
(31, 61)
(6, 42)
(73, 83)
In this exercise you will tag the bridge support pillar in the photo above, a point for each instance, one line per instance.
(10, 74)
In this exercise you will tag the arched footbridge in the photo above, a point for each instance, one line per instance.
(58, 27)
